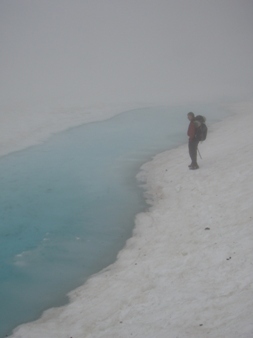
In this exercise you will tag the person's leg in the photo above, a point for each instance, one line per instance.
(193, 147)
(190, 152)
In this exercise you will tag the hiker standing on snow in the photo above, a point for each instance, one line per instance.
(193, 142)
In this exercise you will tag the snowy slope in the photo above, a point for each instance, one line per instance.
(187, 270)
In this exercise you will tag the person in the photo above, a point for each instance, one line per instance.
(193, 142)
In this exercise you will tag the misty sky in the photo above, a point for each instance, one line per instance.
(119, 51)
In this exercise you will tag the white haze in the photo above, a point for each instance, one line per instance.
(88, 52)
(67, 62)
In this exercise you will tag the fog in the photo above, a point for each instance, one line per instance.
(86, 52)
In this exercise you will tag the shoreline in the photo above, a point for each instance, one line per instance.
(38, 126)
(159, 282)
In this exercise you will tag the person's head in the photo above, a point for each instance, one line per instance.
(190, 116)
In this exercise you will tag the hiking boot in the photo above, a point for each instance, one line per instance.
(194, 167)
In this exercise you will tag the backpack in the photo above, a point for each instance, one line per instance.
(201, 128)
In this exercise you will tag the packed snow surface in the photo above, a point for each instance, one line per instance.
(187, 270)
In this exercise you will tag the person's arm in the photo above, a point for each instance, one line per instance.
(191, 131)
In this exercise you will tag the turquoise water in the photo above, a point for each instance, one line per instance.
(68, 206)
